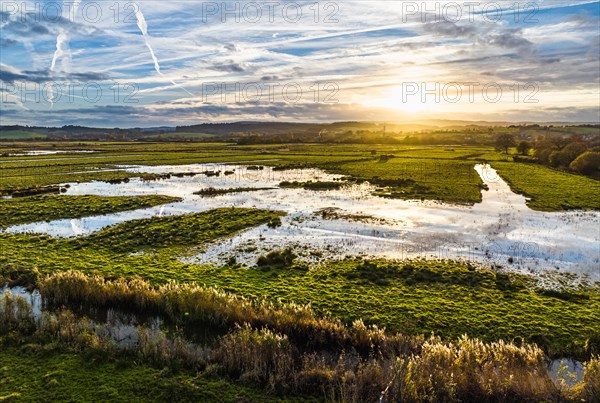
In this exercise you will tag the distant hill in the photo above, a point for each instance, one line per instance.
(430, 132)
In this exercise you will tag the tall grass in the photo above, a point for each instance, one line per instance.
(63, 326)
(589, 388)
(468, 370)
(155, 346)
(193, 304)
(258, 357)
(15, 314)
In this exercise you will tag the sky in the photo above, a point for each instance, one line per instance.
(164, 63)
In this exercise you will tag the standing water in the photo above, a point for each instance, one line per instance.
(500, 230)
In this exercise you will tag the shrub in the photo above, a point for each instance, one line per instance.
(570, 153)
(524, 147)
(587, 163)
(277, 258)
(543, 154)
(274, 223)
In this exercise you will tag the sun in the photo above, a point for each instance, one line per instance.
(403, 98)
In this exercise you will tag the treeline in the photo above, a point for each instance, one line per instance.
(252, 133)
(80, 133)
(574, 153)
(345, 137)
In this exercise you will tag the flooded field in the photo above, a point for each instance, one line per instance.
(352, 221)
(36, 153)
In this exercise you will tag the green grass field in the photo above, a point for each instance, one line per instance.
(432, 173)
(548, 189)
(16, 135)
(446, 180)
(48, 373)
(417, 297)
(449, 299)
(413, 297)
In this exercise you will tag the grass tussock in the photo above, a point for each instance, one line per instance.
(588, 389)
(468, 370)
(277, 259)
(259, 357)
(15, 314)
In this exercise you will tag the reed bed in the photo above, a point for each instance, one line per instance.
(468, 370)
(17, 323)
(588, 389)
(15, 314)
(289, 350)
(193, 304)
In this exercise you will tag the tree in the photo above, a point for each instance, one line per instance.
(524, 147)
(505, 141)
(554, 159)
(587, 163)
(560, 142)
(543, 149)
(570, 152)
(567, 155)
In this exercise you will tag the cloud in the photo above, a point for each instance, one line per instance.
(62, 44)
(229, 66)
(44, 76)
(554, 114)
(7, 42)
(447, 28)
(508, 39)
(232, 47)
(39, 24)
(10, 77)
(370, 50)
(484, 36)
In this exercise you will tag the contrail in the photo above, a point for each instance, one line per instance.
(62, 40)
(62, 44)
(60, 51)
(143, 26)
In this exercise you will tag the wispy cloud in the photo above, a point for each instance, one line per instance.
(170, 53)
(143, 26)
